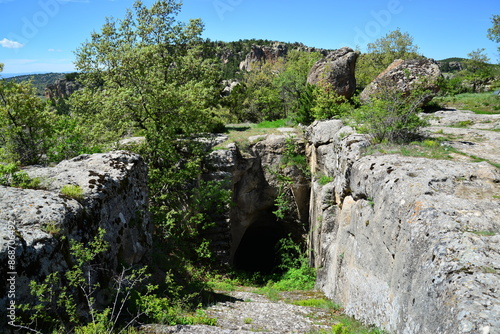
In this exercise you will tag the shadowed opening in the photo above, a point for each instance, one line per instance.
(257, 249)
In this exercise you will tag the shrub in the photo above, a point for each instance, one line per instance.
(392, 115)
(11, 176)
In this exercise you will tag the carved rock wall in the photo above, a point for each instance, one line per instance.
(411, 245)
(115, 197)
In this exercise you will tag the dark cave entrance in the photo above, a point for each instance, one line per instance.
(257, 249)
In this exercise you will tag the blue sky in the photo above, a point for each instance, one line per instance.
(42, 35)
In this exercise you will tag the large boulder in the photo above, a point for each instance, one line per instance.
(337, 70)
(411, 245)
(405, 76)
(37, 224)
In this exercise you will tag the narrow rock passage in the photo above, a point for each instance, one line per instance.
(256, 313)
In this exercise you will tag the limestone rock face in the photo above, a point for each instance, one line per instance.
(115, 197)
(403, 75)
(262, 54)
(62, 88)
(411, 245)
(336, 69)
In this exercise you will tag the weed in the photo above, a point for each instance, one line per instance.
(484, 233)
(248, 321)
(52, 228)
(318, 303)
(462, 124)
(72, 191)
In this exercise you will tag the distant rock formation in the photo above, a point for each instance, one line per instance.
(115, 198)
(62, 88)
(403, 76)
(263, 54)
(411, 245)
(337, 70)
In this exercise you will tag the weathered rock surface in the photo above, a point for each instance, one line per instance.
(475, 135)
(248, 312)
(411, 245)
(403, 76)
(62, 88)
(336, 69)
(254, 183)
(114, 198)
(262, 54)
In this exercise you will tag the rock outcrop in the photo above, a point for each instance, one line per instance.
(252, 229)
(62, 88)
(263, 54)
(411, 245)
(404, 76)
(337, 70)
(115, 198)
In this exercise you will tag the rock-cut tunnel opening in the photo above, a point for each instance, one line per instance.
(257, 249)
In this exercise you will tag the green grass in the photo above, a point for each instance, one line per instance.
(429, 148)
(280, 123)
(318, 303)
(480, 103)
(72, 191)
(240, 133)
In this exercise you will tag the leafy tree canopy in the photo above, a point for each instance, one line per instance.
(382, 52)
(494, 31)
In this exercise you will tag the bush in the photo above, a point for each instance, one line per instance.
(392, 115)
(11, 176)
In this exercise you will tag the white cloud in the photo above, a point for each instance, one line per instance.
(55, 50)
(10, 44)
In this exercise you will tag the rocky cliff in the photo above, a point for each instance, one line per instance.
(32, 222)
(62, 88)
(411, 245)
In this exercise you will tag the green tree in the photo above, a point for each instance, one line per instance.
(25, 123)
(477, 69)
(382, 52)
(494, 31)
(149, 72)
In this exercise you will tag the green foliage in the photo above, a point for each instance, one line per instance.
(392, 115)
(272, 90)
(328, 104)
(494, 31)
(57, 303)
(11, 176)
(278, 123)
(480, 103)
(324, 179)
(318, 303)
(72, 191)
(25, 123)
(382, 52)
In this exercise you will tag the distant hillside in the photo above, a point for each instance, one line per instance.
(447, 60)
(40, 81)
